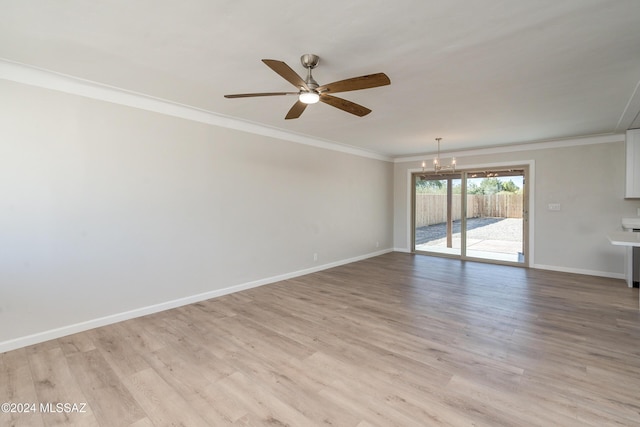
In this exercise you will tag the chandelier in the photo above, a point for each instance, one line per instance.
(437, 165)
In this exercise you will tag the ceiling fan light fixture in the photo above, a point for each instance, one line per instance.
(309, 92)
(309, 97)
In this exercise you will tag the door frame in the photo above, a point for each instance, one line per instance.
(528, 209)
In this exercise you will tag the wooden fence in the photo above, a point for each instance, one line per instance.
(432, 208)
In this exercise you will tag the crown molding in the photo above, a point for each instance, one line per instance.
(33, 76)
(631, 111)
(540, 145)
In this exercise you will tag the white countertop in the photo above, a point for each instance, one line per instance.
(630, 223)
(624, 238)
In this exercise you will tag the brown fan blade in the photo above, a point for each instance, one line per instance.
(356, 83)
(248, 95)
(286, 72)
(296, 110)
(343, 104)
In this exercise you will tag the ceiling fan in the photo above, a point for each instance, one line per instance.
(310, 92)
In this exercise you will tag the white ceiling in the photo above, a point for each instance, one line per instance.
(475, 72)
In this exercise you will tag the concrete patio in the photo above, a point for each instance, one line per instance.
(489, 238)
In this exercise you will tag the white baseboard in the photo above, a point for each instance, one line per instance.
(580, 271)
(404, 250)
(39, 337)
(558, 268)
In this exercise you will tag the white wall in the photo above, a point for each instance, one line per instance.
(587, 180)
(107, 209)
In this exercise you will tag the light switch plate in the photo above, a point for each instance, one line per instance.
(554, 206)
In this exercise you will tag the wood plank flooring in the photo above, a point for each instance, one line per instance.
(396, 340)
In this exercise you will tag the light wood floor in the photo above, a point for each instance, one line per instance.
(397, 340)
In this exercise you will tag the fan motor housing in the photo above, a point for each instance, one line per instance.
(309, 60)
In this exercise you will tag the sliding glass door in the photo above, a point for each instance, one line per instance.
(480, 215)
(437, 213)
(495, 211)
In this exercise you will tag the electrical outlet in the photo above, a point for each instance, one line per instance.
(377, 244)
(315, 257)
